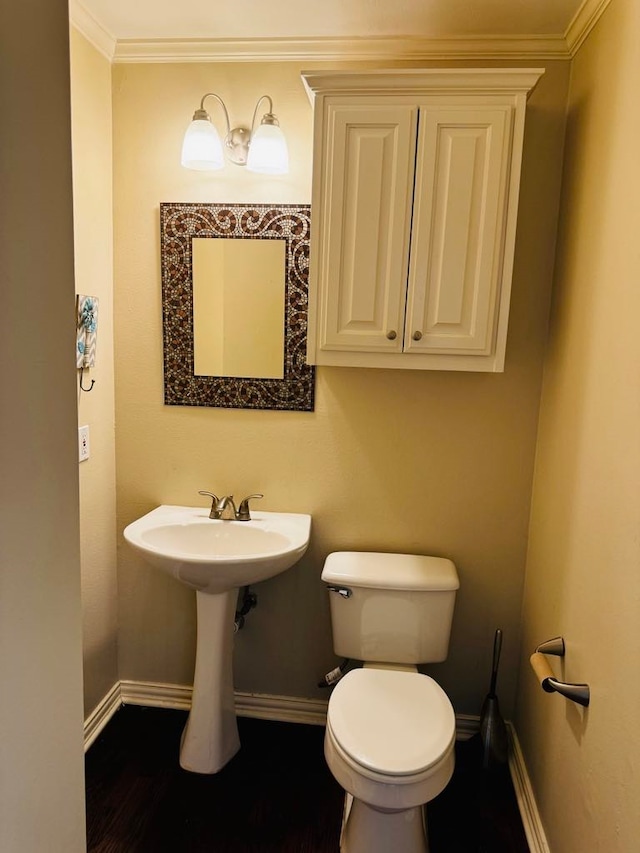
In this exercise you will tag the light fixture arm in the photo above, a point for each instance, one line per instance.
(268, 118)
(236, 140)
(203, 114)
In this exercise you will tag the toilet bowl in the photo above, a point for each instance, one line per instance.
(390, 744)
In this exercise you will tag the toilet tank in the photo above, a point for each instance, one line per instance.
(390, 608)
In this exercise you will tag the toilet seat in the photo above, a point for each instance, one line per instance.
(391, 726)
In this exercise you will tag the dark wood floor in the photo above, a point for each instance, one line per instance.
(275, 796)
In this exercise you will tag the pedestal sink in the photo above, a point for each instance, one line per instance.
(216, 558)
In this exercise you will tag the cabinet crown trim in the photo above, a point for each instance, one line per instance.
(423, 81)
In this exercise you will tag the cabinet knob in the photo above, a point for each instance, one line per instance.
(392, 335)
(416, 336)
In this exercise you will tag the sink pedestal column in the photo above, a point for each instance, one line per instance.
(210, 738)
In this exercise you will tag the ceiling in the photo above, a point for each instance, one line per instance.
(133, 29)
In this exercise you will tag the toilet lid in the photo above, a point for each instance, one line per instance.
(392, 722)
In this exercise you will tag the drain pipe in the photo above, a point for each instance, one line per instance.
(249, 601)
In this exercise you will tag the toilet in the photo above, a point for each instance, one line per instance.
(391, 730)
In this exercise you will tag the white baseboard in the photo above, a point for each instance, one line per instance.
(101, 714)
(286, 709)
(263, 706)
(527, 805)
(466, 726)
(153, 694)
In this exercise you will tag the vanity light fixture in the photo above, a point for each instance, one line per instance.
(261, 150)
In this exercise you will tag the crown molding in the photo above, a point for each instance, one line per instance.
(323, 49)
(92, 30)
(583, 22)
(327, 49)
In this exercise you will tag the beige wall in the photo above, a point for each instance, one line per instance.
(429, 462)
(41, 756)
(582, 576)
(93, 231)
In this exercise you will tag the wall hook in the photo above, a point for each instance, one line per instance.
(82, 388)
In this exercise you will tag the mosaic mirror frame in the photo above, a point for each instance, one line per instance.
(179, 224)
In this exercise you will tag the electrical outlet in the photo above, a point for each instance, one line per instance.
(83, 443)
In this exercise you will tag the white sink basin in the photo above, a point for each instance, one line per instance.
(215, 556)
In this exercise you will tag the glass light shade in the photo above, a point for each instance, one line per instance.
(202, 148)
(268, 151)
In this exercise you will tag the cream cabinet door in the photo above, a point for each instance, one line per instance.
(368, 158)
(458, 229)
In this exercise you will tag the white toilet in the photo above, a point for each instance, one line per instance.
(390, 729)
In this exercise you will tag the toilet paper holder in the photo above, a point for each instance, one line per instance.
(579, 693)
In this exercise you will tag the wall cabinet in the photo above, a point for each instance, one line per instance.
(414, 204)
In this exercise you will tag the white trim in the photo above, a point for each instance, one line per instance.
(527, 805)
(101, 714)
(286, 709)
(325, 49)
(467, 726)
(152, 694)
(583, 22)
(260, 705)
(91, 29)
(263, 706)
(422, 81)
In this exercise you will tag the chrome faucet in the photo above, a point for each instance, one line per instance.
(224, 509)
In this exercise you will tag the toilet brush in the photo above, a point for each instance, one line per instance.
(493, 730)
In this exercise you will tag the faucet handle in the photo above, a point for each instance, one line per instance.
(214, 501)
(243, 510)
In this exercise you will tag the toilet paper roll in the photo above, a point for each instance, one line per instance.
(543, 671)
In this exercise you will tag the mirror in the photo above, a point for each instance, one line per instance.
(238, 297)
(234, 303)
